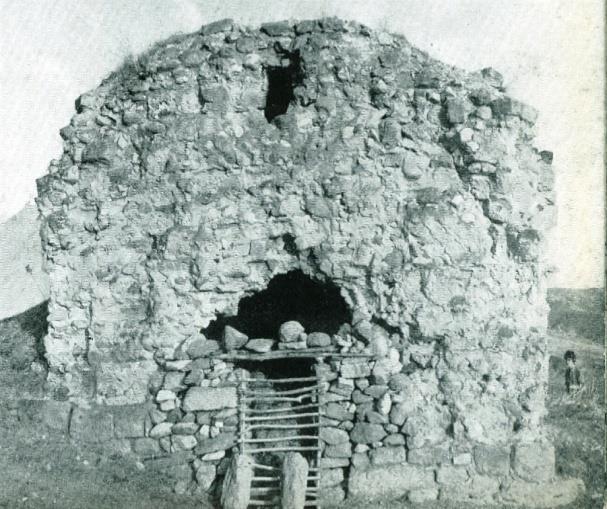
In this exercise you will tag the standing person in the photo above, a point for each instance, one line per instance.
(572, 373)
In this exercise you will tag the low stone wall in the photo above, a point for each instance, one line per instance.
(379, 440)
(484, 475)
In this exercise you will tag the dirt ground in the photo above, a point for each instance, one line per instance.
(42, 468)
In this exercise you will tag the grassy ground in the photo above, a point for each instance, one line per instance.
(577, 423)
(578, 311)
(44, 470)
(41, 468)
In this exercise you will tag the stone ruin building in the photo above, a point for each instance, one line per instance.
(305, 257)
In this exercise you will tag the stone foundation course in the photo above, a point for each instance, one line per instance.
(330, 199)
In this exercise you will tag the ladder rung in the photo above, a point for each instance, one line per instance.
(275, 417)
(283, 380)
(282, 449)
(263, 502)
(276, 410)
(265, 467)
(301, 390)
(286, 399)
(277, 479)
(277, 439)
(264, 489)
(282, 426)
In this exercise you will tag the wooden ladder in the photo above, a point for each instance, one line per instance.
(303, 403)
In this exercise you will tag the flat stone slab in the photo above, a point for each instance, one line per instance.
(236, 489)
(260, 345)
(367, 433)
(294, 479)
(534, 461)
(387, 481)
(388, 455)
(162, 429)
(334, 436)
(548, 495)
(209, 398)
(91, 425)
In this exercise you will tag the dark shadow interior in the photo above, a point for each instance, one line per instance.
(280, 92)
(282, 80)
(280, 368)
(318, 306)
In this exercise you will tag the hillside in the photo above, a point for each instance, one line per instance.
(577, 311)
(23, 284)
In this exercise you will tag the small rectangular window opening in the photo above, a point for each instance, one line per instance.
(281, 82)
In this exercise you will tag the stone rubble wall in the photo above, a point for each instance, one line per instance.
(411, 185)
(377, 440)
(383, 469)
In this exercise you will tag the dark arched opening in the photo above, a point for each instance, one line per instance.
(282, 81)
(317, 305)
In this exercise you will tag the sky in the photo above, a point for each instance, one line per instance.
(550, 52)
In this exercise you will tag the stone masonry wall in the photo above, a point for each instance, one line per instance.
(412, 186)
